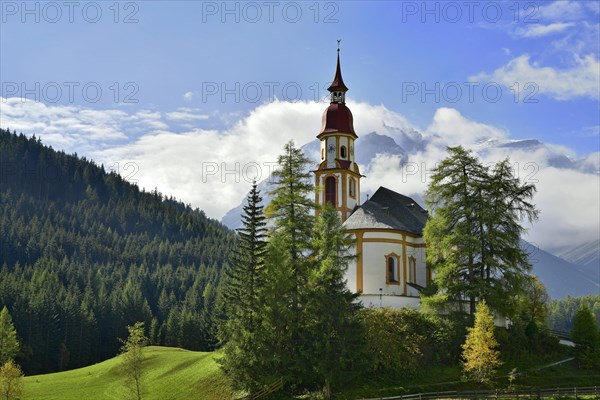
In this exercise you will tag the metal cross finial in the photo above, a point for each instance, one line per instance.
(338, 49)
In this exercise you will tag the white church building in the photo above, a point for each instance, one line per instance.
(389, 269)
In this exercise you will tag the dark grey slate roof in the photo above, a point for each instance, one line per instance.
(387, 209)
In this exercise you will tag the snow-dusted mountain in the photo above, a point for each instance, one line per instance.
(369, 146)
(562, 278)
(586, 254)
(410, 142)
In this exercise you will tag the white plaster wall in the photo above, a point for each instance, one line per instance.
(374, 268)
(351, 275)
(331, 156)
(376, 301)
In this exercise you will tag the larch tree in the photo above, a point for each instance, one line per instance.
(333, 325)
(473, 233)
(292, 213)
(9, 343)
(291, 207)
(11, 382)
(479, 350)
(133, 359)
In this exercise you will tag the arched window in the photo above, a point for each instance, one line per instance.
(322, 154)
(343, 152)
(412, 270)
(352, 187)
(330, 190)
(392, 269)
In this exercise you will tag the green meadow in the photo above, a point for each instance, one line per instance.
(171, 373)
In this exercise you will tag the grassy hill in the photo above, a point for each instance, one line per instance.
(172, 374)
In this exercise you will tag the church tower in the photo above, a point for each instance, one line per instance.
(337, 179)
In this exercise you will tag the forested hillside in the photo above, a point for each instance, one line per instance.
(83, 253)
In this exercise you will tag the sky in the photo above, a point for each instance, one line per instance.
(189, 96)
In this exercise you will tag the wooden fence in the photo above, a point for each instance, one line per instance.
(267, 390)
(575, 392)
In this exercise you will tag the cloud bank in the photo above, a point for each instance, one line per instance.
(212, 168)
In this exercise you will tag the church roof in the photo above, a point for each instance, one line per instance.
(387, 209)
(337, 118)
(338, 83)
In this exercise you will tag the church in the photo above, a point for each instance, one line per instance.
(389, 269)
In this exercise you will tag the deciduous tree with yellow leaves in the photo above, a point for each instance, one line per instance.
(479, 350)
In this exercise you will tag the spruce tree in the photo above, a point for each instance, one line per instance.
(9, 344)
(241, 330)
(244, 278)
(479, 354)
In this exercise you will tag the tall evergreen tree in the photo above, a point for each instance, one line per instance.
(292, 212)
(474, 231)
(244, 280)
(9, 343)
(333, 325)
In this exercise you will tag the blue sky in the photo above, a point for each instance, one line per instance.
(165, 92)
(392, 53)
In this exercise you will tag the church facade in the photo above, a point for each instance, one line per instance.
(389, 269)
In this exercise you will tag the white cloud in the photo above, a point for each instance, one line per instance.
(539, 30)
(193, 166)
(186, 114)
(561, 10)
(454, 129)
(568, 201)
(581, 80)
(188, 96)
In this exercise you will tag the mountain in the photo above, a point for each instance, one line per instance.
(371, 145)
(84, 253)
(561, 278)
(586, 254)
(577, 274)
